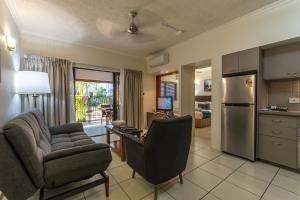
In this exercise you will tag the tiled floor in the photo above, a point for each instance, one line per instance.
(210, 175)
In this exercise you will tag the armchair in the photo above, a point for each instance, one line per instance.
(164, 152)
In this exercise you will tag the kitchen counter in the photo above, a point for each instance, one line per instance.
(282, 113)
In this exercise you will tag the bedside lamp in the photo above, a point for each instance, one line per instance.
(32, 83)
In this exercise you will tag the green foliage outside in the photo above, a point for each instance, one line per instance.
(97, 96)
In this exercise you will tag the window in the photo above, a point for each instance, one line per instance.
(168, 89)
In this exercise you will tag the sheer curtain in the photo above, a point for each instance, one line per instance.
(133, 98)
(56, 106)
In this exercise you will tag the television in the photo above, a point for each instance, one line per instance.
(164, 103)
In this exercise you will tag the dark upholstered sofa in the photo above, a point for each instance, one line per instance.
(163, 153)
(33, 157)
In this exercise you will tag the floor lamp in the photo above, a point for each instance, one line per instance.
(32, 83)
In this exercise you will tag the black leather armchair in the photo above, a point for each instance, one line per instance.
(163, 154)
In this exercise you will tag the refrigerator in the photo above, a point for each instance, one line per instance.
(238, 115)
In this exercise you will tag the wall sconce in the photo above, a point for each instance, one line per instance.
(10, 43)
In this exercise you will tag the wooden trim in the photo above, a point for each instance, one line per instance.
(203, 98)
(93, 81)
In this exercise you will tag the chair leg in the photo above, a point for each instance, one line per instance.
(180, 178)
(103, 174)
(133, 174)
(155, 192)
(107, 188)
(42, 194)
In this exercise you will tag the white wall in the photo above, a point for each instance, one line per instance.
(10, 61)
(275, 23)
(95, 57)
(78, 53)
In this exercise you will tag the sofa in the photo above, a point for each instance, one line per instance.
(163, 153)
(35, 157)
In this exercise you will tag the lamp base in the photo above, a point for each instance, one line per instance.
(34, 98)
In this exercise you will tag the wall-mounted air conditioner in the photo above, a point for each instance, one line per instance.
(158, 60)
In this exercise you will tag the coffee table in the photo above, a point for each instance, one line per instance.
(118, 146)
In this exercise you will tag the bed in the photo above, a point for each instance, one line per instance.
(202, 111)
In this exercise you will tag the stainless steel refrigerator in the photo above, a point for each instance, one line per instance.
(238, 115)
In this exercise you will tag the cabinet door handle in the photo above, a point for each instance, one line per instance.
(276, 132)
(276, 120)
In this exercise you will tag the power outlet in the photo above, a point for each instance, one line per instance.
(294, 100)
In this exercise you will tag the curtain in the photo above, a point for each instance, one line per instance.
(133, 98)
(56, 106)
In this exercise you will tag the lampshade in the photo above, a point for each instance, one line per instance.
(31, 82)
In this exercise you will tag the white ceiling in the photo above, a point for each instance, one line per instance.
(103, 23)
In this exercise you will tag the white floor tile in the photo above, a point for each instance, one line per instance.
(186, 191)
(121, 173)
(203, 179)
(210, 197)
(137, 188)
(259, 170)
(208, 153)
(247, 182)
(161, 196)
(229, 161)
(217, 169)
(196, 160)
(290, 174)
(115, 193)
(288, 183)
(277, 193)
(227, 191)
(98, 188)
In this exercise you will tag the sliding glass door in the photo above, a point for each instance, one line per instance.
(97, 96)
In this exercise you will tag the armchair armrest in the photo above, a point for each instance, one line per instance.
(134, 148)
(73, 151)
(67, 128)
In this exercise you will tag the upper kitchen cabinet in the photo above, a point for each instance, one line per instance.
(230, 63)
(282, 62)
(247, 60)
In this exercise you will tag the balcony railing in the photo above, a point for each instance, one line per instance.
(90, 108)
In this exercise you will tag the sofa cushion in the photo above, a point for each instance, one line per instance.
(40, 118)
(20, 135)
(64, 168)
(69, 140)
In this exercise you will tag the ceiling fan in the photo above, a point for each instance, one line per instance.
(142, 33)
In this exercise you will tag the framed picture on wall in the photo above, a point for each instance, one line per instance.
(207, 85)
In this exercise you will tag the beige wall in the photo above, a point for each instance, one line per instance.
(277, 22)
(10, 62)
(78, 53)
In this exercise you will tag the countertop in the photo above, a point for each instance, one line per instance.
(282, 113)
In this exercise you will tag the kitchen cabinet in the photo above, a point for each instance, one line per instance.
(243, 61)
(230, 63)
(277, 139)
(249, 59)
(282, 62)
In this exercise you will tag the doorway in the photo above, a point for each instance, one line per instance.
(203, 111)
(195, 98)
(97, 99)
